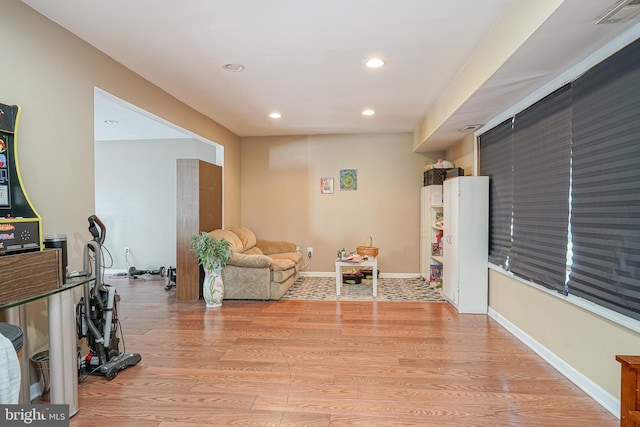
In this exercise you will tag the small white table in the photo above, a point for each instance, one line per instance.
(370, 262)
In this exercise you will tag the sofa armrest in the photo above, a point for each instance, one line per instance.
(250, 261)
(274, 247)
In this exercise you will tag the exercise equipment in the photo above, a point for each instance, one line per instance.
(97, 314)
(171, 279)
(134, 272)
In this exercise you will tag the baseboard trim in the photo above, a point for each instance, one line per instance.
(382, 275)
(597, 393)
(113, 271)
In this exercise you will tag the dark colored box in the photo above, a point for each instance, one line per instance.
(352, 278)
(453, 172)
(367, 273)
(437, 176)
(434, 177)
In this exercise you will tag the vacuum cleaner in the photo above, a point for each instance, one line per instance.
(97, 314)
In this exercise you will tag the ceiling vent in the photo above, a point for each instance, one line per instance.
(621, 12)
(470, 128)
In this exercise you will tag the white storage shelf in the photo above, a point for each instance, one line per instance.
(466, 229)
(431, 217)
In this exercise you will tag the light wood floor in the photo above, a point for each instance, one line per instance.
(295, 363)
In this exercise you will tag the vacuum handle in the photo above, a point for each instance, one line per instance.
(99, 235)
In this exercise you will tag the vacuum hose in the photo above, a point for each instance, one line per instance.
(89, 294)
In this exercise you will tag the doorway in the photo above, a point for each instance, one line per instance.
(135, 180)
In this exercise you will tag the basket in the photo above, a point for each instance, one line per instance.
(438, 176)
(368, 250)
(41, 362)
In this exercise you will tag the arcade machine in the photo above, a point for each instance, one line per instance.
(20, 224)
(20, 233)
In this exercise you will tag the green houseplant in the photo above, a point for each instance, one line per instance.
(213, 255)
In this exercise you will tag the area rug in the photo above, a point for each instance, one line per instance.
(389, 289)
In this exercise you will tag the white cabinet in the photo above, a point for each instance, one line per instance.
(431, 217)
(466, 223)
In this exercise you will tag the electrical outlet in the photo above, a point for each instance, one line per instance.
(126, 250)
(309, 252)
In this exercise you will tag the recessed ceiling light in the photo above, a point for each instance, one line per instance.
(233, 67)
(275, 115)
(368, 112)
(374, 63)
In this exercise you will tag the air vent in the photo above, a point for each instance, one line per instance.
(470, 128)
(621, 12)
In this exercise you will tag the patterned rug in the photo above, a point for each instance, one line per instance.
(324, 289)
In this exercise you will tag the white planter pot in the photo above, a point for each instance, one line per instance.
(213, 289)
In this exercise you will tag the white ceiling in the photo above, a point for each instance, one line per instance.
(305, 58)
(117, 120)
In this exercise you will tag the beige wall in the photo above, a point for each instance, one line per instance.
(281, 196)
(51, 74)
(461, 154)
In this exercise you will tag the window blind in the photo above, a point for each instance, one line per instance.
(496, 156)
(605, 266)
(565, 179)
(541, 174)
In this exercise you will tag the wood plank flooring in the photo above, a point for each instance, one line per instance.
(314, 363)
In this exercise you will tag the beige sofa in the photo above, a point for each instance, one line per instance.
(258, 269)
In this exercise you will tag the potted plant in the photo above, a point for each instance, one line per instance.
(213, 255)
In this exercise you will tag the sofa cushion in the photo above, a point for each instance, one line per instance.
(269, 247)
(250, 261)
(282, 269)
(254, 251)
(246, 236)
(236, 244)
(282, 264)
(294, 257)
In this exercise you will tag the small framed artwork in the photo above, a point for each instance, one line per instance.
(348, 179)
(326, 185)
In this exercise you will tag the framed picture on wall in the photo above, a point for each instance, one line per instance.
(348, 179)
(326, 185)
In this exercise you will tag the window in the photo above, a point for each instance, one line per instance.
(497, 163)
(605, 224)
(527, 159)
(541, 171)
(565, 193)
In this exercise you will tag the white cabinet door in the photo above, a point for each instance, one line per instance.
(450, 248)
(466, 222)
